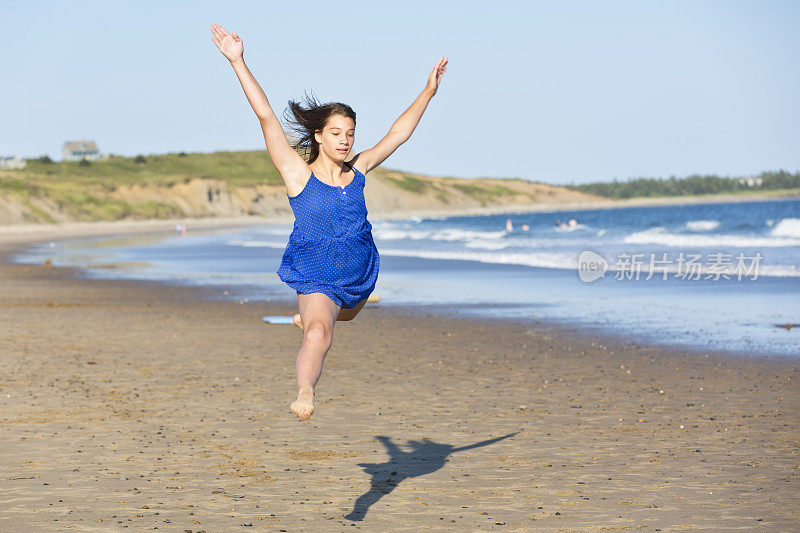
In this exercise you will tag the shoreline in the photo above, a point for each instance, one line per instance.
(131, 403)
(19, 232)
(594, 205)
(22, 233)
(604, 336)
(21, 237)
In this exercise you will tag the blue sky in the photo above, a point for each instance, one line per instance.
(553, 91)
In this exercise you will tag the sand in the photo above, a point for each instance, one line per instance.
(135, 405)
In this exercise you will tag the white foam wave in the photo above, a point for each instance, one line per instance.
(568, 228)
(420, 219)
(705, 270)
(448, 234)
(569, 261)
(255, 244)
(702, 225)
(779, 271)
(487, 244)
(662, 236)
(546, 260)
(787, 227)
(282, 230)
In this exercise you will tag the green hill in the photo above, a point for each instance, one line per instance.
(779, 181)
(178, 185)
(237, 168)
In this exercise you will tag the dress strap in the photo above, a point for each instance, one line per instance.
(356, 172)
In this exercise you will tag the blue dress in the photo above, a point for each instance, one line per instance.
(330, 249)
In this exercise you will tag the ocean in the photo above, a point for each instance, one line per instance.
(715, 276)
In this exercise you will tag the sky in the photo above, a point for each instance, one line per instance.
(560, 92)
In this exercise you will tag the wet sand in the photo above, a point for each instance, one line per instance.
(128, 404)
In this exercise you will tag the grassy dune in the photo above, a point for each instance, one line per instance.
(200, 184)
(237, 168)
(84, 192)
(177, 185)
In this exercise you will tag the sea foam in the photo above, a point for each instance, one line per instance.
(787, 227)
(662, 236)
(702, 225)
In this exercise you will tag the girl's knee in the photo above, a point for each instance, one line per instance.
(318, 331)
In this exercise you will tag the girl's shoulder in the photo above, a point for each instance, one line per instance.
(361, 166)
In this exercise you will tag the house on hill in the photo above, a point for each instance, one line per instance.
(83, 149)
(752, 181)
(12, 162)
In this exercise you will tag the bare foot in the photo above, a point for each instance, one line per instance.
(297, 321)
(303, 406)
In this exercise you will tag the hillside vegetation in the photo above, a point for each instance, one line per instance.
(232, 184)
(780, 181)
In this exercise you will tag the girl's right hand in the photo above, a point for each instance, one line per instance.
(231, 46)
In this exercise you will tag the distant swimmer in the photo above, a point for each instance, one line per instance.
(331, 259)
(525, 227)
(509, 226)
(573, 222)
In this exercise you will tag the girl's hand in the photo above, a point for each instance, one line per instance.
(436, 75)
(231, 46)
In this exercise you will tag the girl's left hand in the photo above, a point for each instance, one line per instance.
(436, 75)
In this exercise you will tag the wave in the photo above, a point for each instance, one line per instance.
(546, 260)
(418, 219)
(569, 261)
(255, 244)
(702, 225)
(568, 228)
(487, 244)
(660, 235)
(448, 234)
(787, 227)
(282, 230)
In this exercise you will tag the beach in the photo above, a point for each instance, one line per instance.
(129, 404)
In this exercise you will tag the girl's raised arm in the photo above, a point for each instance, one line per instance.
(292, 168)
(404, 126)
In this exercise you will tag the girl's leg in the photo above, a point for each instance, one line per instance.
(318, 313)
(343, 316)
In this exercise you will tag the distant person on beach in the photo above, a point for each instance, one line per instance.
(331, 259)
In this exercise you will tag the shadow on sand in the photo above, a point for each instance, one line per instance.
(426, 456)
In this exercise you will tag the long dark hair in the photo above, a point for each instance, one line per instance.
(305, 121)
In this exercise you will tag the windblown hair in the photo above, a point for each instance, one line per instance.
(304, 122)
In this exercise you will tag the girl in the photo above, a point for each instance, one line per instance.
(331, 259)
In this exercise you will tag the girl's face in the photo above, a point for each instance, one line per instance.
(337, 138)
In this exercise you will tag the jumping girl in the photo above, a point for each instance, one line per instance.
(331, 259)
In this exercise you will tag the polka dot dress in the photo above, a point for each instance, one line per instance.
(330, 249)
